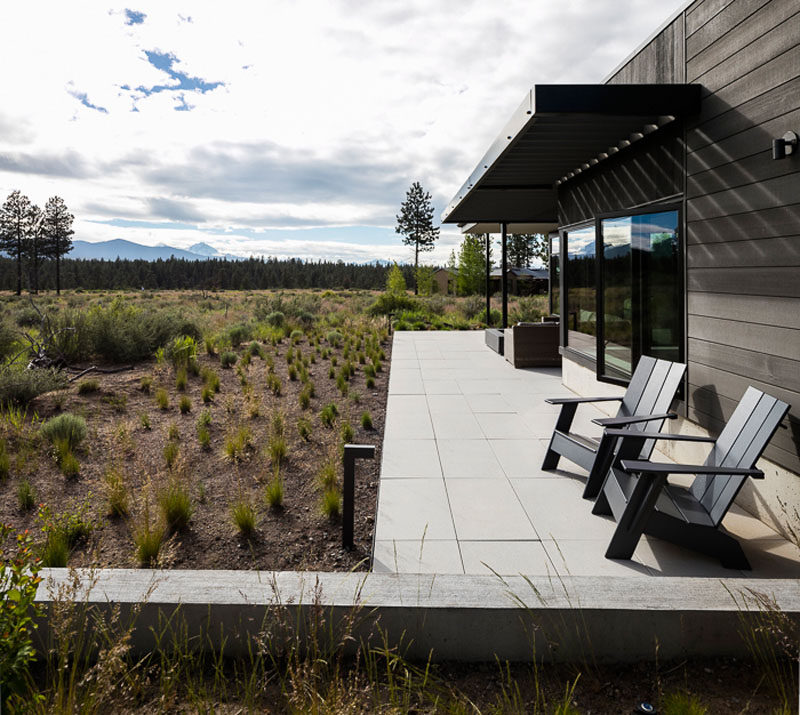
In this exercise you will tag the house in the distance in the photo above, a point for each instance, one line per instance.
(521, 281)
(672, 190)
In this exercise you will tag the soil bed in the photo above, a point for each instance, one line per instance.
(127, 431)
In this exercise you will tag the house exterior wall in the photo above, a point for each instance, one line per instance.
(741, 209)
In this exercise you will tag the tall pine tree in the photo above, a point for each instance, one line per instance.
(16, 222)
(415, 224)
(57, 232)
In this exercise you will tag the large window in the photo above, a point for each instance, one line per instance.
(623, 289)
(581, 291)
(555, 274)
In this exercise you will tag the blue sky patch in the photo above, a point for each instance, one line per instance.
(133, 17)
(165, 61)
(83, 98)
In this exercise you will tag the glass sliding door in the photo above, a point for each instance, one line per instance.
(617, 297)
(641, 297)
(581, 290)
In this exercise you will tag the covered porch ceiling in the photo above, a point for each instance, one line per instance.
(558, 131)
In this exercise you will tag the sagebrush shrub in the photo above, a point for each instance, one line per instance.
(66, 428)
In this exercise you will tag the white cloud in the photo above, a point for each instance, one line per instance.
(325, 113)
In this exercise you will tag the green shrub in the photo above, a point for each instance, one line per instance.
(228, 359)
(296, 336)
(334, 338)
(304, 428)
(207, 395)
(366, 420)
(204, 437)
(331, 503)
(185, 405)
(387, 303)
(276, 319)
(244, 516)
(237, 443)
(144, 419)
(210, 378)
(65, 428)
(347, 432)
(181, 379)
(26, 496)
(87, 387)
(370, 382)
(171, 450)
(204, 419)
(182, 352)
(176, 505)
(9, 343)
(273, 492)
(328, 414)
(116, 492)
(148, 538)
(145, 384)
(5, 461)
(19, 386)
(239, 333)
(162, 399)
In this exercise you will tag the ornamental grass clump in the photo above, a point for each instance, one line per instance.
(244, 516)
(26, 496)
(185, 404)
(87, 387)
(116, 492)
(273, 492)
(162, 399)
(237, 443)
(328, 414)
(366, 420)
(5, 461)
(228, 359)
(175, 505)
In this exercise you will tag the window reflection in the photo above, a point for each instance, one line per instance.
(581, 290)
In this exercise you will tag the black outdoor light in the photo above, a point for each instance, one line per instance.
(783, 147)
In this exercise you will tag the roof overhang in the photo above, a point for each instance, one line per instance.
(557, 132)
(488, 227)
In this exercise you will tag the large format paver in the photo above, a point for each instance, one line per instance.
(461, 488)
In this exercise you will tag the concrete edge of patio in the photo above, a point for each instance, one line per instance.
(467, 618)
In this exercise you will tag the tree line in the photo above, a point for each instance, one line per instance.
(31, 235)
(211, 274)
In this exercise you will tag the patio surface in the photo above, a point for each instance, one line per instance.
(461, 489)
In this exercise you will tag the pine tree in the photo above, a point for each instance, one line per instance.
(16, 222)
(525, 248)
(57, 230)
(33, 249)
(415, 223)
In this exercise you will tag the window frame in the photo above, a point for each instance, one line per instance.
(597, 364)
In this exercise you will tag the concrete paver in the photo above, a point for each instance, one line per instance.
(462, 490)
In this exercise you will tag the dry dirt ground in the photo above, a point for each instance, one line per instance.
(296, 537)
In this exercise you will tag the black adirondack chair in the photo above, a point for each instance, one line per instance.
(641, 500)
(644, 408)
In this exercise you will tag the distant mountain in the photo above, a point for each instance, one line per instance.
(204, 249)
(120, 248)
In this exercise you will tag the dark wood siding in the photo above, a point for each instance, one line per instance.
(742, 208)
(743, 212)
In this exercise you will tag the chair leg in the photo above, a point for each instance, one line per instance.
(633, 521)
(599, 470)
(601, 506)
(563, 425)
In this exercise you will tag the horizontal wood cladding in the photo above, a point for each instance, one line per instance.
(762, 310)
(772, 193)
(747, 58)
(774, 73)
(780, 221)
(700, 13)
(661, 61)
(762, 367)
(744, 18)
(763, 252)
(711, 410)
(766, 107)
(645, 172)
(754, 169)
(757, 337)
(714, 394)
(769, 280)
(735, 149)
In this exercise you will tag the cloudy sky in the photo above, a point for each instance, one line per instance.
(279, 128)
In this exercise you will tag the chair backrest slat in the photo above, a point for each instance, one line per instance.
(637, 385)
(740, 444)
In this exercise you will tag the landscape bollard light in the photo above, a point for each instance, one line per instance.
(352, 452)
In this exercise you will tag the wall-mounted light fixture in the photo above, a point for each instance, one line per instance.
(784, 146)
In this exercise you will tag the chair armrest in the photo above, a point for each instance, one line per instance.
(643, 466)
(579, 400)
(634, 419)
(658, 435)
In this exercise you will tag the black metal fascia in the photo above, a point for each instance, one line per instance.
(548, 100)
